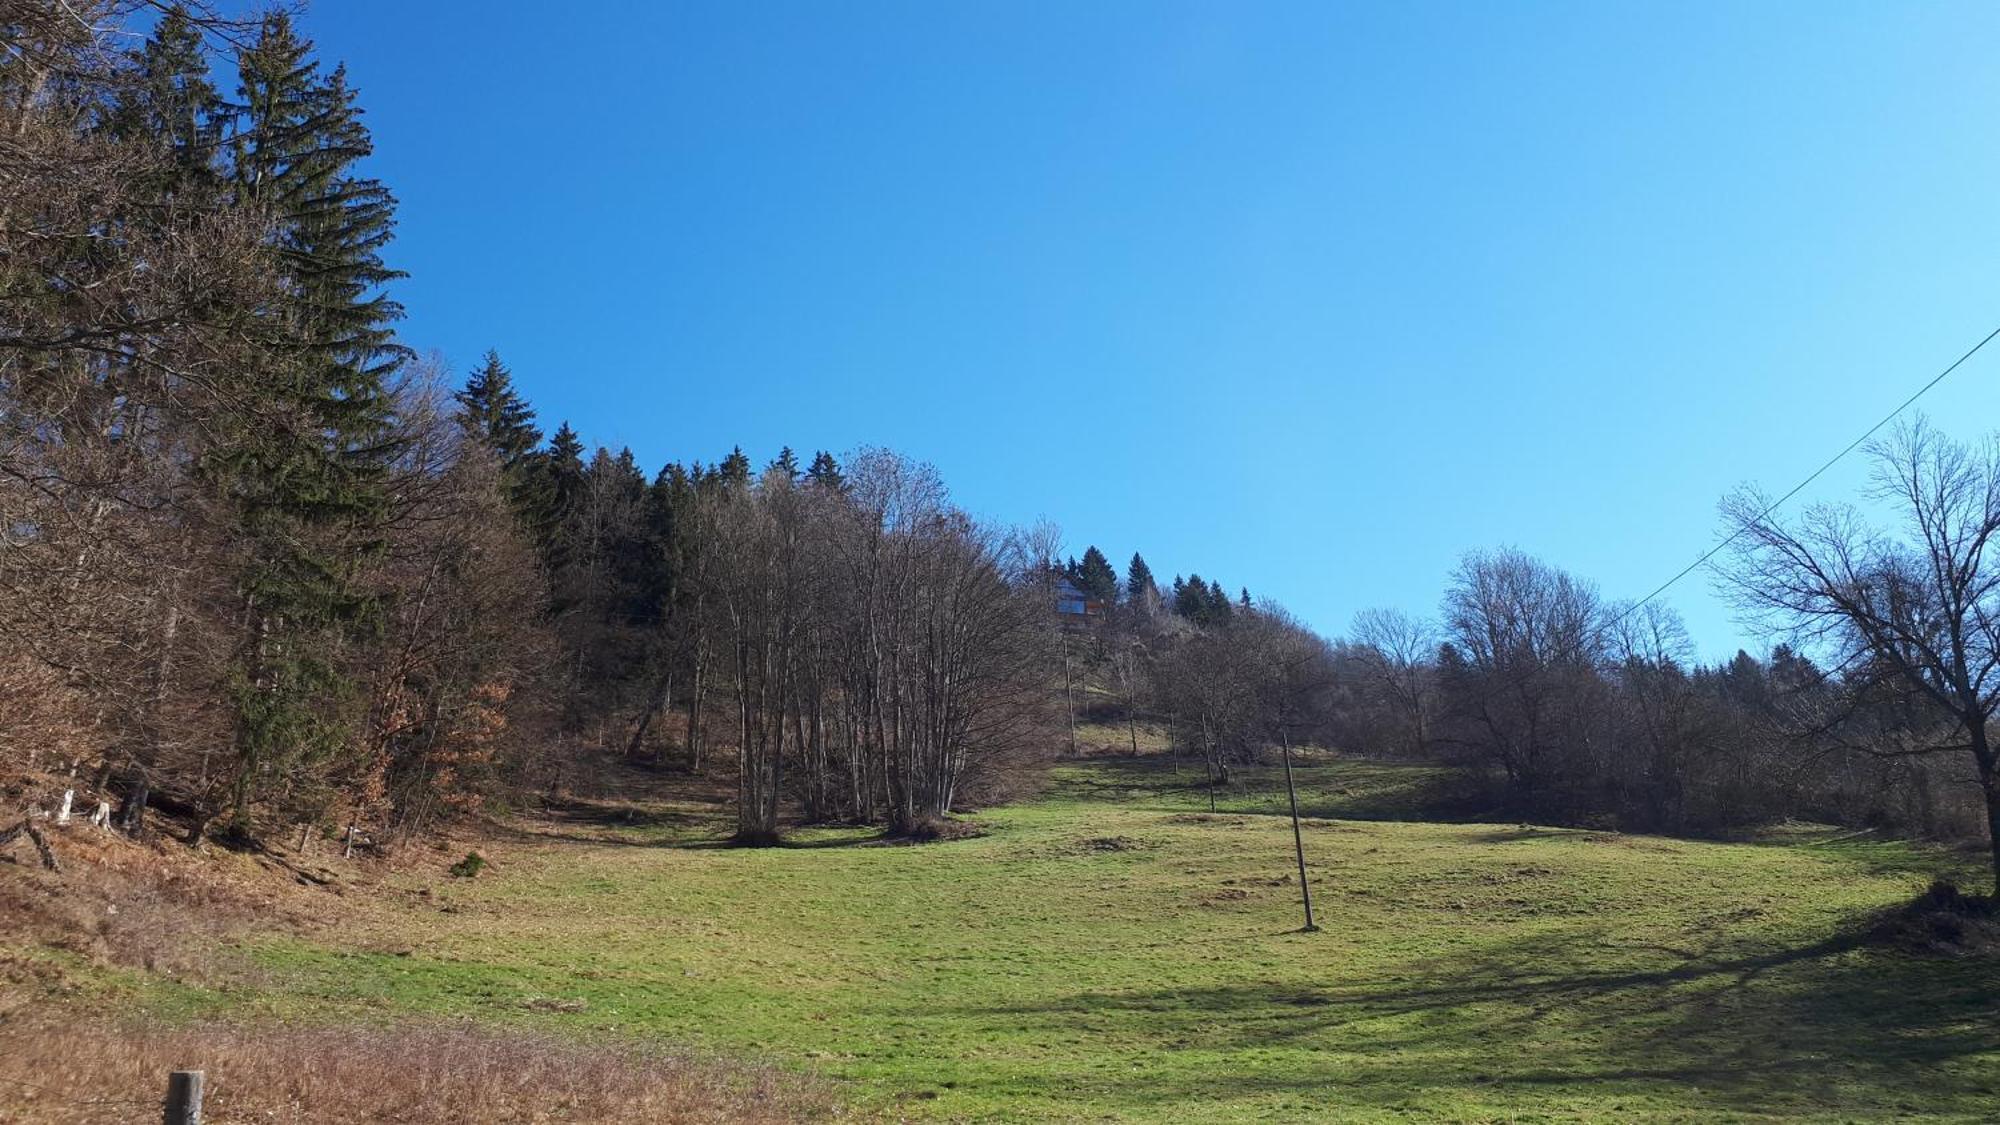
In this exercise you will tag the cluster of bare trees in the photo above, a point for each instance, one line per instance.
(905, 645)
(1874, 706)
(877, 650)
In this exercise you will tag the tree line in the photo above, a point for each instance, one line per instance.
(265, 570)
(1873, 708)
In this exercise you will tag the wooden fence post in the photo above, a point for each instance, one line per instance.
(184, 1098)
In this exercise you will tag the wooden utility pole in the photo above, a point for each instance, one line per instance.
(1298, 838)
(1069, 692)
(184, 1097)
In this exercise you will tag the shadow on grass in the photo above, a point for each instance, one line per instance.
(1839, 1025)
(1345, 789)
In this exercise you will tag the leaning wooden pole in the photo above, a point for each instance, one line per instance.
(1069, 692)
(1298, 838)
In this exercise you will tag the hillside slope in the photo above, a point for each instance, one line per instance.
(1113, 950)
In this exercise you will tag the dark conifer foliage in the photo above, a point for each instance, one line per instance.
(172, 100)
(735, 468)
(1140, 587)
(310, 476)
(825, 472)
(1095, 577)
(498, 417)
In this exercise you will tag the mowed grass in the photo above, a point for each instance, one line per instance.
(1113, 951)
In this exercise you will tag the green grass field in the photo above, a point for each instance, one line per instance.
(1113, 951)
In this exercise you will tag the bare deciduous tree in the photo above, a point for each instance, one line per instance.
(1915, 610)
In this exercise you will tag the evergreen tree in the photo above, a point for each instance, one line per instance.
(559, 490)
(825, 472)
(1245, 600)
(1191, 598)
(296, 156)
(174, 99)
(787, 463)
(1217, 604)
(735, 468)
(1140, 589)
(498, 417)
(1095, 577)
(307, 469)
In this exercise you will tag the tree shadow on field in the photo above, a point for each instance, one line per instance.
(1839, 1025)
(612, 823)
(1345, 789)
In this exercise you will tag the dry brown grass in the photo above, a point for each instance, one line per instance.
(68, 1073)
(153, 905)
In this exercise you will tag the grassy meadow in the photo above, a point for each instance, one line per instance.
(1112, 950)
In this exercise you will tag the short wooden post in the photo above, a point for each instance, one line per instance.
(184, 1098)
(69, 800)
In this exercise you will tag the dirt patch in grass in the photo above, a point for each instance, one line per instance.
(74, 1072)
(1944, 921)
(1111, 844)
(936, 830)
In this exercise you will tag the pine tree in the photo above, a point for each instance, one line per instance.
(1245, 600)
(174, 99)
(497, 415)
(1140, 589)
(787, 463)
(559, 491)
(1095, 577)
(1191, 598)
(1217, 604)
(296, 155)
(735, 468)
(825, 472)
(307, 470)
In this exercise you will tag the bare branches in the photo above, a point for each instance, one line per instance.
(1914, 614)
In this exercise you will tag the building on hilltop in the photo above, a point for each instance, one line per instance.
(1074, 605)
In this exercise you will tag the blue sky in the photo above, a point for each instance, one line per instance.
(1311, 298)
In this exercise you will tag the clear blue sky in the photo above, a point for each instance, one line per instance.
(1310, 298)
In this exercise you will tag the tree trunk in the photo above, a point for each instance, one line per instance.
(1992, 786)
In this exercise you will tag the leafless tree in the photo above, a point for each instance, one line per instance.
(1399, 652)
(1913, 611)
(1520, 669)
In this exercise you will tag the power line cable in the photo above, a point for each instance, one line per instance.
(1801, 486)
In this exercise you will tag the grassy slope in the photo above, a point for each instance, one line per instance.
(1107, 952)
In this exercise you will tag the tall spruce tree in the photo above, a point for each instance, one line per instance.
(557, 488)
(497, 415)
(1095, 577)
(307, 470)
(825, 472)
(1140, 589)
(1217, 604)
(174, 100)
(1191, 597)
(735, 468)
(787, 463)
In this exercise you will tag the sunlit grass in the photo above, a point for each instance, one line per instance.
(1113, 950)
